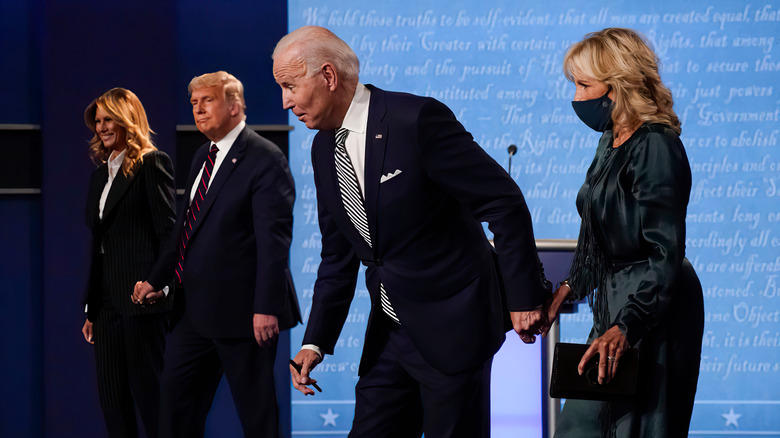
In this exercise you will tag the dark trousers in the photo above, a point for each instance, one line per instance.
(194, 365)
(129, 360)
(403, 396)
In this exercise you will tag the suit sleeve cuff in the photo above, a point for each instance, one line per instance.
(313, 348)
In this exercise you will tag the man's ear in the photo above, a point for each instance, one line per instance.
(235, 108)
(330, 75)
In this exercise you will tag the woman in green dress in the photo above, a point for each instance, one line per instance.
(630, 258)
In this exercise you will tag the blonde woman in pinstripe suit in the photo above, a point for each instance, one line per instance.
(130, 211)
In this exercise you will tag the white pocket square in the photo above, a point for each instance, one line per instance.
(390, 175)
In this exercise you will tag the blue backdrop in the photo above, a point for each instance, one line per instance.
(498, 66)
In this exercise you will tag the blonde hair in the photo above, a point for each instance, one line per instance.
(318, 46)
(125, 110)
(232, 87)
(625, 62)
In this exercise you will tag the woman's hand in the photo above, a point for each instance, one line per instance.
(609, 346)
(553, 306)
(87, 330)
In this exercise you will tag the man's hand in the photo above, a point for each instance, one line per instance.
(307, 359)
(87, 330)
(144, 293)
(266, 328)
(528, 324)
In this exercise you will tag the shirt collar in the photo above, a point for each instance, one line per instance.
(115, 163)
(228, 140)
(356, 119)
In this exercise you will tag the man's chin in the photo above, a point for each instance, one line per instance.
(319, 125)
(209, 133)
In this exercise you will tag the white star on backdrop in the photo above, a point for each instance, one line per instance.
(329, 417)
(731, 418)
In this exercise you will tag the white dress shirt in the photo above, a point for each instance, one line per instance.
(114, 164)
(356, 122)
(224, 146)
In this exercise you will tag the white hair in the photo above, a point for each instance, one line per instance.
(316, 46)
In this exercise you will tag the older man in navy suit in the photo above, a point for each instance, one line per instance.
(403, 188)
(230, 258)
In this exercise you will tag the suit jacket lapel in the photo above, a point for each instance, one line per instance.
(118, 188)
(232, 159)
(99, 179)
(197, 164)
(376, 143)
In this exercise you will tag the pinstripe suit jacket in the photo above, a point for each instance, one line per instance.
(137, 218)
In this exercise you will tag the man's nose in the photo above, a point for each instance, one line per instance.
(287, 102)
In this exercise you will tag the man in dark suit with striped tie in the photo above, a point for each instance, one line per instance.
(231, 262)
(403, 188)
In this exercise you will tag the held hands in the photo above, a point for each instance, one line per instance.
(307, 359)
(553, 305)
(538, 321)
(266, 328)
(144, 293)
(609, 346)
(528, 324)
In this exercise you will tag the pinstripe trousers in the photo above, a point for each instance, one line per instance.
(129, 359)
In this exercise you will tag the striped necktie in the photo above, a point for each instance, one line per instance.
(353, 203)
(194, 210)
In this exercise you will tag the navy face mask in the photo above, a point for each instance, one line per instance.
(596, 113)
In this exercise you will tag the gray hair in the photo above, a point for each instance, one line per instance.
(316, 46)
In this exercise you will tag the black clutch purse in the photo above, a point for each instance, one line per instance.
(566, 382)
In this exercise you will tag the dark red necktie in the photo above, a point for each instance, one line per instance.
(194, 210)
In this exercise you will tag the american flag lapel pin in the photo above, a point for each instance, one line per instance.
(378, 136)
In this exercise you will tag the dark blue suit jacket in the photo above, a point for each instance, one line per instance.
(429, 250)
(237, 258)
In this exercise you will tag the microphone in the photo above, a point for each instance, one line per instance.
(512, 149)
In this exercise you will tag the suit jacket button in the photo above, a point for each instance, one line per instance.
(379, 262)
